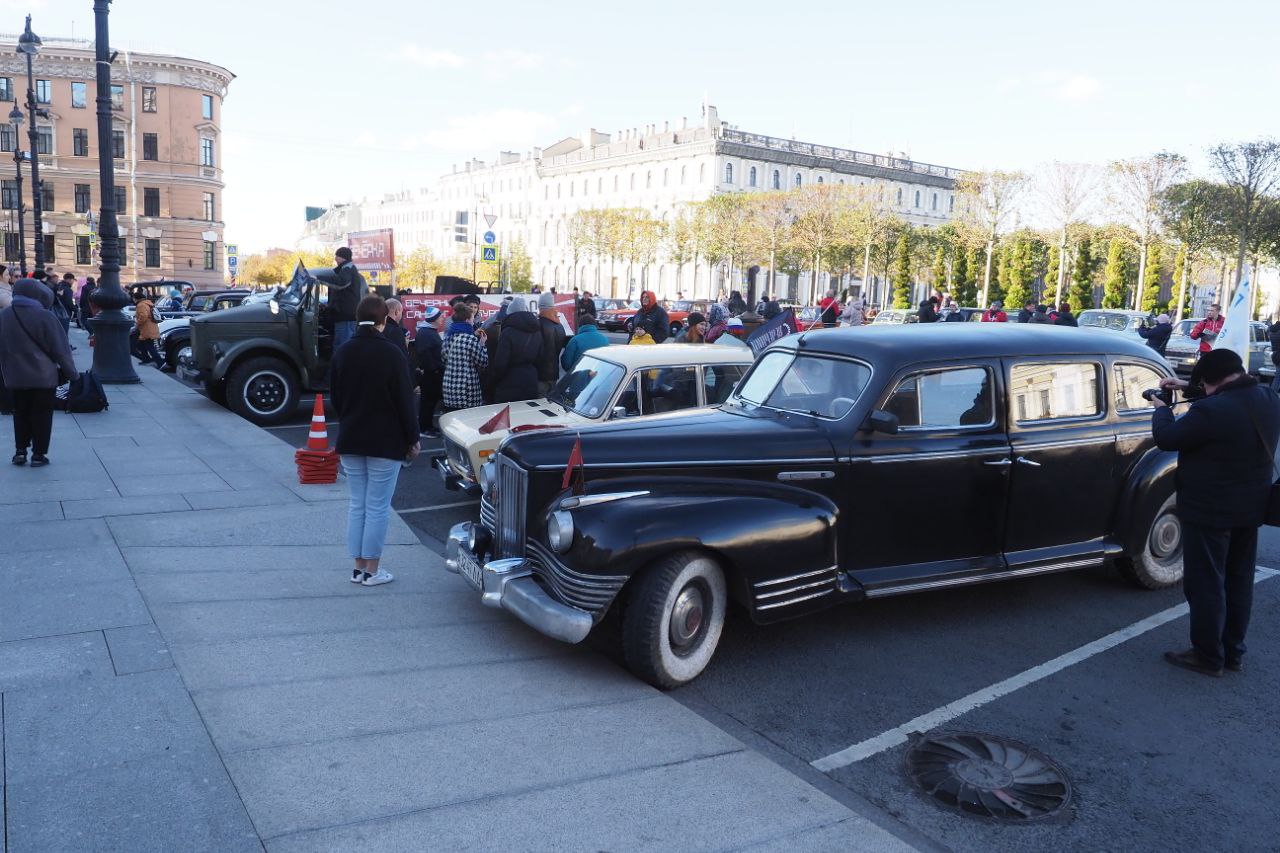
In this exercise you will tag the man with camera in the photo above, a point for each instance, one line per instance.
(1226, 446)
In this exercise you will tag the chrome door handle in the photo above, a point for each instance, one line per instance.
(1000, 463)
(1022, 460)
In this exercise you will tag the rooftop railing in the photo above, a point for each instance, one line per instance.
(884, 161)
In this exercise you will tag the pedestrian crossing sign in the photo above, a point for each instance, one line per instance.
(489, 253)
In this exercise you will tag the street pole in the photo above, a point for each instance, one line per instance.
(111, 360)
(15, 120)
(29, 45)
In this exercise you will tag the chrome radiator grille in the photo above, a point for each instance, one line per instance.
(510, 498)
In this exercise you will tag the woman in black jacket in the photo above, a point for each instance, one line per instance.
(515, 363)
(377, 431)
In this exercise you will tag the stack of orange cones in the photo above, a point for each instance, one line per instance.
(317, 462)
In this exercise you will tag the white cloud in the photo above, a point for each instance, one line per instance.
(427, 58)
(1078, 87)
(472, 134)
(510, 59)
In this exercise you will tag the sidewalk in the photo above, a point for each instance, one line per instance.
(184, 666)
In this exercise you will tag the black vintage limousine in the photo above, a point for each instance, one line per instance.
(848, 464)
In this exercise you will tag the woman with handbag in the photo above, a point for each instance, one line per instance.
(35, 357)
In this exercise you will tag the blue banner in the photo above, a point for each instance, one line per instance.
(776, 329)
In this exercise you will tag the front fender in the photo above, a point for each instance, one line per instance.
(1149, 485)
(240, 349)
(760, 531)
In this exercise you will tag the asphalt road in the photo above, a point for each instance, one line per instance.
(1160, 758)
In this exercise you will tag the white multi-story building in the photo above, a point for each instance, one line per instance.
(531, 198)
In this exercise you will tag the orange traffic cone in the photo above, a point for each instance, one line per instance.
(318, 438)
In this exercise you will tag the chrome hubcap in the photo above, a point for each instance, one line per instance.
(265, 393)
(687, 617)
(1166, 536)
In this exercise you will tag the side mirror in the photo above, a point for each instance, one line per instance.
(881, 421)
(619, 412)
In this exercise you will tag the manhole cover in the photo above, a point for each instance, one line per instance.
(988, 776)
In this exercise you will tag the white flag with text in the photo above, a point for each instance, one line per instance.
(1235, 332)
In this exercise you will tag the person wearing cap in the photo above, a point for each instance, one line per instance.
(428, 347)
(1157, 336)
(344, 295)
(553, 342)
(1226, 451)
(587, 337)
(995, 314)
(695, 329)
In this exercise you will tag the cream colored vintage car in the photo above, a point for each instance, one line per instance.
(608, 383)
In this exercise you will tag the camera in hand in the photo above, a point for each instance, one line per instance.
(1153, 394)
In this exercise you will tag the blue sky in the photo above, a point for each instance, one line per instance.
(339, 100)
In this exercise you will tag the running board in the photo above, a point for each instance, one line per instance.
(973, 580)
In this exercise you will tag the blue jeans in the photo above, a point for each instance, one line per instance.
(343, 331)
(372, 482)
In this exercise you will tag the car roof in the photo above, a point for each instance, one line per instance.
(947, 341)
(1123, 311)
(632, 356)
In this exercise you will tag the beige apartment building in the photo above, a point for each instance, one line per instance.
(166, 115)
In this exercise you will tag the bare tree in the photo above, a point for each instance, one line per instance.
(1065, 190)
(987, 202)
(771, 217)
(819, 210)
(1137, 187)
(1252, 170)
(868, 220)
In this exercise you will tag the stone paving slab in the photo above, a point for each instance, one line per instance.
(26, 664)
(167, 559)
(55, 535)
(327, 580)
(35, 610)
(309, 524)
(172, 484)
(38, 511)
(140, 648)
(265, 496)
(124, 506)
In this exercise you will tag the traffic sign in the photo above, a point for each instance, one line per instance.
(232, 262)
(490, 218)
(232, 249)
(489, 253)
(490, 237)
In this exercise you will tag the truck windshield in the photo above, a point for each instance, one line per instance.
(589, 388)
(809, 384)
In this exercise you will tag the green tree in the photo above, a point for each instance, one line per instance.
(1000, 277)
(519, 268)
(1082, 272)
(960, 275)
(1151, 284)
(902, 270)
(1018, 272)
(1051, 273)
(967, 271)
(1114, 278)
(939, 268)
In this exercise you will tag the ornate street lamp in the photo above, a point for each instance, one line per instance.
(29, 45)
(111, 360)
(16, 118)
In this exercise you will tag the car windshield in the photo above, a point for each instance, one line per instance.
(809, 384)
(589, 388)
(1183, 327)
(1103, 320)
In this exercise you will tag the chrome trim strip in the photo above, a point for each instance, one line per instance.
(936, 454)
(794, 589)
(697, 462)
(593, 500)
(777, 581)
(976, 579)
(794, 600)
(1075, 442)
(805, 475)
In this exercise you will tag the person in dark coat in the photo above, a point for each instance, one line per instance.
(737, 305)
(344, 295)
(377, 432)
(515, 362)
(393, 331)
(1041, 316)
(429, 352)
(586, 305)
(553, 342)
(1065, 317)
(652, 317)
(1024, 316)
(927, 312)
(1157, 336)
(35, 357)
(1226, 448)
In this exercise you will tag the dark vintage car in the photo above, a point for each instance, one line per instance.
(175, 330)
(848, 464)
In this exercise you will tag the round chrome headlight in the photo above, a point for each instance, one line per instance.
(471, 538)
(486, 477)
(560, 531)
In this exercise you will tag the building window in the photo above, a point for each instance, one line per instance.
(777, 179)
(666, 177)
(79, 95)
(206, 152)
(8, 139)
(728, 173)
(148, 99)
(150, 201)
(44, 140)
(951, 205)
(206, 106)
(84, 254)
(702, 173)
(9, 195)
(80, 142)
(209, 248)
(799, 179)
(121, 200)
(917, 198)
(151, 247)
(46, 196)
(11, 250)
(49, 246)
(934, 204)
(117, 97)
(44, 92)
(615, 183)
(751, 177)
(208, 208)
(150, 146)
(117, 144)
(6, 94)
(648, 180)
(899, 196)
(83, 201)
(820, 179)
(633, 180)
(599, 186)
(684, 174)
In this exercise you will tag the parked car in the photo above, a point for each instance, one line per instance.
(806, 488)
(679, 310)
(607, 384)
(175, 333)
(613, 315)
(895, 317)
(1183, 351)
(158, 293)
(1115, 320)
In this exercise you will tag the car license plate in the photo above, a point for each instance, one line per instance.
(469, 567)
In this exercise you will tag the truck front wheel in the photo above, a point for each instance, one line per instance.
(674, 618)
(263, 390)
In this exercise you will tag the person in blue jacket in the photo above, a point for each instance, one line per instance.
(588, 337)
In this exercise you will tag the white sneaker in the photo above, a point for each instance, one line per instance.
(357, 576)
(383, 576)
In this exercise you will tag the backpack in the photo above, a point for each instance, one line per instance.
(86, 395)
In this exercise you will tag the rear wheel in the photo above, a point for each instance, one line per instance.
(263, 390)
(1159, 563)
(674, 619)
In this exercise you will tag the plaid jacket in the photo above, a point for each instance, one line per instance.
(464, 357)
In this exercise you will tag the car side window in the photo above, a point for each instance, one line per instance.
(718, 381)
(1130, 381)
(629, 399)
(1043, 392)
(672, 389)
(944, 399)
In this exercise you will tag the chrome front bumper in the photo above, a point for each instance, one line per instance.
(454, 480)
(508, 584)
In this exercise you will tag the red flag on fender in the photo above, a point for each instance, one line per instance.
(502, 420)
(574, 465)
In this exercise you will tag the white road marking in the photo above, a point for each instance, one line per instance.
(437, 506)
(945, 714)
